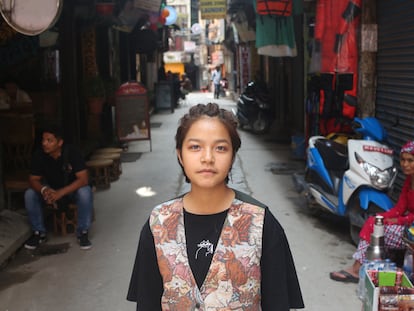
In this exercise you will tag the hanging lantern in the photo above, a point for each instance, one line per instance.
(172, 16)
(165, 13)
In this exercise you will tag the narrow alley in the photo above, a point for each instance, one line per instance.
(98, 279)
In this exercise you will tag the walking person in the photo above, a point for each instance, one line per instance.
(185, 86)
(58, 177)
(395, 220)
(212, 248)
(216, 78)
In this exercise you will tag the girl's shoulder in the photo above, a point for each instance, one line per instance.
(248, 199)
(171, 203)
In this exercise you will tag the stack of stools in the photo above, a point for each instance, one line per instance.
(99, 171)
(115, 170)
(113, 154)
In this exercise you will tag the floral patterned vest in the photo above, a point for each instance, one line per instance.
(233, 280)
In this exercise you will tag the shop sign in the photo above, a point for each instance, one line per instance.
(173, 57)
(213, 9)
(132, 112)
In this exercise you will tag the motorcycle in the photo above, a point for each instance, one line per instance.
(253, 109)
(351, 179)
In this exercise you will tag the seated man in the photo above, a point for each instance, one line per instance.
(58, 176)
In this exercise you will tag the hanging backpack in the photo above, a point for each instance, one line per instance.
(274, 7)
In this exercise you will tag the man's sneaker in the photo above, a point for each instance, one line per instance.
(84, 242)
(36, 239)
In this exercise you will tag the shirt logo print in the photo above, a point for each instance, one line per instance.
(207, 245)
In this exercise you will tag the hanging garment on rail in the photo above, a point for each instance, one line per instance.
(274, 7)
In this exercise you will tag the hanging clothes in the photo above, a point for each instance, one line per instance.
(274, 7)
(275, 35)
(336, 26)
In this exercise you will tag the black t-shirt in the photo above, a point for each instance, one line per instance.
(280, 290)
(202, 233)
(53, 170)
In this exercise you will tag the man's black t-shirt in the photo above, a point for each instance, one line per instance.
(53, 170)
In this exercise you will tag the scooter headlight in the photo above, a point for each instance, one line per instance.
(381, 179)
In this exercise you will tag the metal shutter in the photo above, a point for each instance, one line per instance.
(395, 74)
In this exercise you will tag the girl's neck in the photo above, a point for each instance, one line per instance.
(204, 202)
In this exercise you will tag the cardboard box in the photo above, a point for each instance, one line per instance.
(372, 292)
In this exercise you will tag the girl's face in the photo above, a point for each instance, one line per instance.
(207, 153)
(407, 163)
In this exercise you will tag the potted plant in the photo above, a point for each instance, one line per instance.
(94, 91)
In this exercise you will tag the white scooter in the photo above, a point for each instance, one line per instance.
(351, 179)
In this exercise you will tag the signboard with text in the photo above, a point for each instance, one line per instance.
(132, 113)
(213, 9)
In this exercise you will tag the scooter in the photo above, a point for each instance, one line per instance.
(253, 109)
(351, 179)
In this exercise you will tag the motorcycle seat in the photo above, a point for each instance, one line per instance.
(334, 155)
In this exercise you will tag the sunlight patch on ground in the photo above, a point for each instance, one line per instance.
(145, 192)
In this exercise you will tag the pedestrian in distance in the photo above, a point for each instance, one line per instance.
(216, 78)
(162, 76)
(212, 248)
(185, 86)
(395, 220)
(58, 177)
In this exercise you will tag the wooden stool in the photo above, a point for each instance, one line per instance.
(61, 220)
(116, 168)
(108, 150)
(99, 172)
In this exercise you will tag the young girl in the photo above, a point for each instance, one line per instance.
(395, 220)
(212, 248)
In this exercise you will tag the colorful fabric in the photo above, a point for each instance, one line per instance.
(393, 235)
(361, 251)
(401, 214)
(146, 285)
(234, 279)
(392, 240)
(408, 148)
